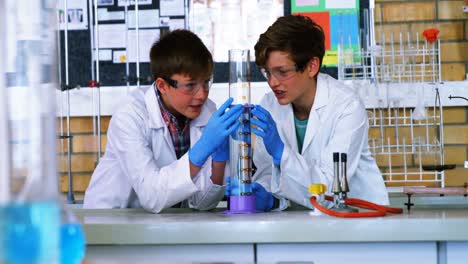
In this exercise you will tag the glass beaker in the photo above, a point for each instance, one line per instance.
(29, 197)
(242, 199)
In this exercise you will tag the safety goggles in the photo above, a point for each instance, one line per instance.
(281, 73)
(191, 87)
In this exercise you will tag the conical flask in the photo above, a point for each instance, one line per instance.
(29, 197)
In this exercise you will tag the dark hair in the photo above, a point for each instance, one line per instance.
(297, 35)
(180, 52)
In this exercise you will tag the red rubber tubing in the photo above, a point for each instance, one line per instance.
(314, 202)
(379, 210)
(368, 205)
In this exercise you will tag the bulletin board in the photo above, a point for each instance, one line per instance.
(156, 18)
(116, 36)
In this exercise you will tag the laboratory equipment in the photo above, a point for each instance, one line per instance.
(341, 203)
(376, 210)
(70, 194)
(400, 70)
(242, 199)
(29, 211)
(340, 186)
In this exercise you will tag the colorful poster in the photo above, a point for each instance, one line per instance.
(340, 22)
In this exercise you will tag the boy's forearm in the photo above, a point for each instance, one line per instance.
(217, 172)
(194, 170)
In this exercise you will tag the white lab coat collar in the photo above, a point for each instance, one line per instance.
(321, 93)
(321, 99)
(155, 119)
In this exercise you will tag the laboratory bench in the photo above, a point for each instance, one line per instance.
(428, 233)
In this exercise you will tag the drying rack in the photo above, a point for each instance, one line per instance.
(406, 140)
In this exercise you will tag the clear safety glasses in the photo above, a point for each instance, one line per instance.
(191, 87)
(281, 73)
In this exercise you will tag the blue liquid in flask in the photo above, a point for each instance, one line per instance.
(72, 243)
(30, 233)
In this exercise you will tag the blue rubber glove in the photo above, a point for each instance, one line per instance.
(263, 199)
(268, 131)
(222, 152)
(218, 129)
(232, 187)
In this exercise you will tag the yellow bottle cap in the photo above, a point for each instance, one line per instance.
(317, 188)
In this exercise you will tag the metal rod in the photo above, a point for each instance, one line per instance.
(405, 166)
(93, 70)
(389, 158)
(441, 135)
(137, 25)
(381, 129)
(427, 133)
(59, 70)
(70, 195)
(127, 64)
(395, 113)
(98, 87)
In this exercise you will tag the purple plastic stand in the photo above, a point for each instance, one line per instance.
(241, 205)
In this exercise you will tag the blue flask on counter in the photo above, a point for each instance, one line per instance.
(29, 193)
(72, 239)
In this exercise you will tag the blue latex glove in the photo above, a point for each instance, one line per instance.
(222, 152)
(232, 187)
(263, 199)
(268, 131)
(218, 129)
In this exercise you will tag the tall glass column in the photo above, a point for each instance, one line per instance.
(242, 199)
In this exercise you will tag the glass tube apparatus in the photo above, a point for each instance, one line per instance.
(242, 199)
(29, 197)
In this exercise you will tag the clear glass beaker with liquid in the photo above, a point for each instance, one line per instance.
(29, 196)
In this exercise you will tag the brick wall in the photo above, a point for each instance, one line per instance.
(404, 15)
(83, 150)
(415, 16)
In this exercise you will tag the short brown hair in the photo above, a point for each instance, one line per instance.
(180, 52)
(297, 35)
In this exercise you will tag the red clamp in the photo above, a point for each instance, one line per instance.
(93, 83)
(431, 34)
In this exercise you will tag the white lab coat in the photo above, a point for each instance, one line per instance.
(140, 167)
(337, 123)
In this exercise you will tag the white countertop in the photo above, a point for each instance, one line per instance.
(185, 226)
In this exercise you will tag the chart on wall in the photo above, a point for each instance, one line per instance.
(114, 35)
(339, 20)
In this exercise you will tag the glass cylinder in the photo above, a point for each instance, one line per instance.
(242, 199)
(29, 196)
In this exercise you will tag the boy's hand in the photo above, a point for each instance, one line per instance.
(263, 199)
(222, 152)
(268, 131)
(216, 132)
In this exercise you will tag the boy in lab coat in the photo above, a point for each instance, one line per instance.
(167, 145)
(304, 119)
